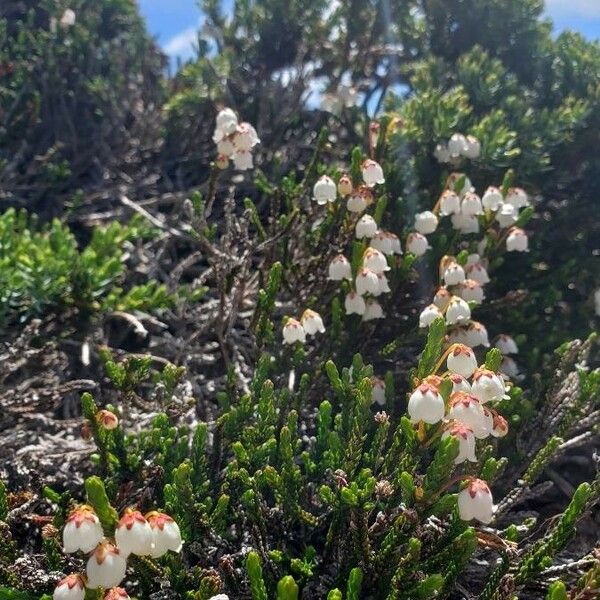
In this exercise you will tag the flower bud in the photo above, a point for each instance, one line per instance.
(324, 190)
(82, 531)
(222, 162)
(107, 419)
(492, 198)
(133, 534)
(487, 386)
(344, 185)
(500, 427)
(517, 241)
(165, 532)
(475, 502)
(227, 123)
(426, 222)
(426, 404)
(106, 567)
(367, 282)
(428, 315)
(354, 304)
(340, 268)
(461, 360)
(312, 322)
(417, 244)
(466, 441)
(69, 588)
(449, 203)
(293, 332)
(366, 227)
(458, 311)
(242, 160)
(372, 173)
(378, 391)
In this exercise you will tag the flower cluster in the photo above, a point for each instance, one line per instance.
(234, 141)
(466, 414)
(151, 535)
(296, 330)
(458, 145)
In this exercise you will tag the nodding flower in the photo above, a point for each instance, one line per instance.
(165, 534)
(426, 222)
(458, 311)
(466, 441)
(461, 359)
(312, 322)
(372, 173)
(449, 203)
(359, 199)
(517, 197)
(487, 386)
(354, 304)
(82, 530)
(428, 315)
(471, 205)
(375, 260)
(366, 227)
(517, 241)
(386, 242)
(293, 332)
(133, 534)
(506, 344)
(475, 502)
(453, 274)
(324, 190)
(426, 404)
(477, 272)
(72, 587)
(492, 198)
(367, 282)
(344, 185)
(417, 244)
(373, 310)
(106, 567)
(340, 268)
(442, 298)
(476, 335)
(471, 291)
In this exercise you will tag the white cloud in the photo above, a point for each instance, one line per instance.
(573, 8)
(182, 44)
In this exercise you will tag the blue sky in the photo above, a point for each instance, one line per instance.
(175, 22)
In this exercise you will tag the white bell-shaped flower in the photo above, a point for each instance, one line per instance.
(222, 161)
(471, 205)
(384, 286)
(133, 534)
(477, 272)
(471, 291)
(365, 227)
(517, 241)
(372, 173)
(441, 153)
(69, 588)
(373, 310)
(226, 147)
(472, 147)
(472, 259)
(506, 344)
(227, 123)
(68, 18)
(359, 200)
(417, 244)
(510, 368)
(242, 160)
(517, 197)
(454, 274)
(82, 530)
(426, 222)
(457, 144)
(500, 427)
(245, 137)
(466, 441)
(426, 404)
(442, 297)
(477, 335)
(354, 304)
(466, 409)
(293, 332)
(312, 322)
(116, 593)
(106, 567)
(458, 311)
(428, 315)
(324, 190)
(165, 534)
(457, 335)
(378, 391)
(461, 360)
(465, 223)
(449, 203)
(486, 426)
(340, 268)
(375, 260)
(386, 242)
(367, 282)
(492, 198)
(344, 185)
(476, 502)
(459, 383)
(487, 386)
(507, 214)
